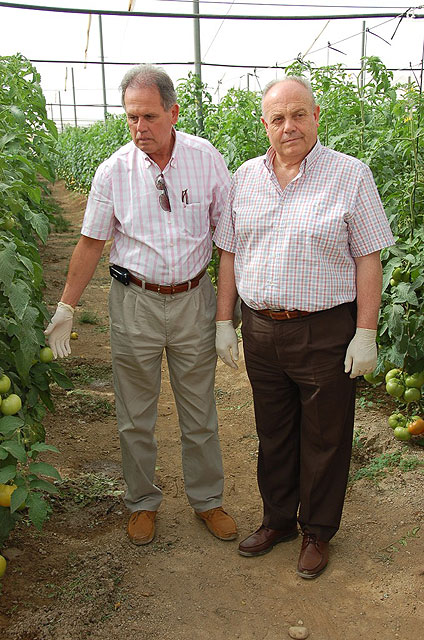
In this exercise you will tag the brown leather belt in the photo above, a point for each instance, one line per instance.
(168, 288)
(282, 314)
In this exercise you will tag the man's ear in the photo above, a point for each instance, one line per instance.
(175, 110)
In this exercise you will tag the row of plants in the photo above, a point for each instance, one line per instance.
(27, 141)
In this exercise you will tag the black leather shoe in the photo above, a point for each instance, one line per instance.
(313, 557)
(264, 539)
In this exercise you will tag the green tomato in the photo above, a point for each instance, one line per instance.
(395, 388)
(397, 274)
(3, 565)
(4, 384)
(372, 379)
(415, 380)
(393, 282)
(46, 355)
(396, 420)
(412, 395)
(393, 373)
(402, 433)
(11, 405)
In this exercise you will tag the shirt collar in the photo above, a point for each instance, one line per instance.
(307, 162)
(172, 161)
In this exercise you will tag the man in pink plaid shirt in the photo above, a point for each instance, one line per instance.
(158, 198)
(301, 238)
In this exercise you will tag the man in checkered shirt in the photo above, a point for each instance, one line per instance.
(301, 237)
(158, 198)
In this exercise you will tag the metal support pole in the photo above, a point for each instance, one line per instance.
(198, 64)
(103, 68)
(363, 53)
(60, 112)
(73, 93)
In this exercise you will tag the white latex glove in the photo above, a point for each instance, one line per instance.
(361, 354)
(59, 329)
(226, 342)
(237, 313)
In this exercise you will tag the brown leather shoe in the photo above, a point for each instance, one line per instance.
(313, 557)
(219, 523)
(264, 539)
(141, 527)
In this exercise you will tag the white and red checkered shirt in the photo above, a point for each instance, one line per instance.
(159, 246)
(295, 248)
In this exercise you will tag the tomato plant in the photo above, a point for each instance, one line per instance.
(28, 142)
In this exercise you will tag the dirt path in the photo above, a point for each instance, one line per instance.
(80, 578)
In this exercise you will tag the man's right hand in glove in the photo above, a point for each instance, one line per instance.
(58, 332)
(226, 343)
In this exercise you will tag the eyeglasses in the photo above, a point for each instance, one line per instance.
(163, 197)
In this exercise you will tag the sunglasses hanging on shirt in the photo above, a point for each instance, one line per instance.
(163, 197)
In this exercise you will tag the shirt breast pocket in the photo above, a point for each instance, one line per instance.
(327, 231)
(195, 219)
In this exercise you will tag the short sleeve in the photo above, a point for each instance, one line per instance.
(369, 229)
(99, 218)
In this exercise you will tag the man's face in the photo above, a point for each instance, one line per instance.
(291, 121)
(150, 125)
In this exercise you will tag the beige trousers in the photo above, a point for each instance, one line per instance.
(143, 325)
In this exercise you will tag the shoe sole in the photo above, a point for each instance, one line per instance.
(309, 576)
(252, 554)
(139, 543)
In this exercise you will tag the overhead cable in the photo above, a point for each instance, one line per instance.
(204, 64)
(205, 16)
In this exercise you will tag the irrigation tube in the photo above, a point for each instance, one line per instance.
(162, 14)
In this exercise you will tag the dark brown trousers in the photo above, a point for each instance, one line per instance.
(304, 409)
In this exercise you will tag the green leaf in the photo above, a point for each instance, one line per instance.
(18, 498)
(15, 449)
(19, 298)
(8, 263)
(9, 424)
(42, 446)
(7, 473)
(394, 317)
(38, 510)
(59, 377)
(44, 485)
(45, 397)
(44, 469)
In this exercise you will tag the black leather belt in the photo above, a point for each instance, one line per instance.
(168, 288)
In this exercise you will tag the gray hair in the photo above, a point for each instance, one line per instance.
(147, 75)
(298, 79)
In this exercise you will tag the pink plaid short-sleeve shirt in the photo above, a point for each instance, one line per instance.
(156, 245)
(295, 248)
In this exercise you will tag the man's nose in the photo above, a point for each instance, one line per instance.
(141, 125)
(289, 124)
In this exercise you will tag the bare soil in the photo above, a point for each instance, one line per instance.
(81, 578)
